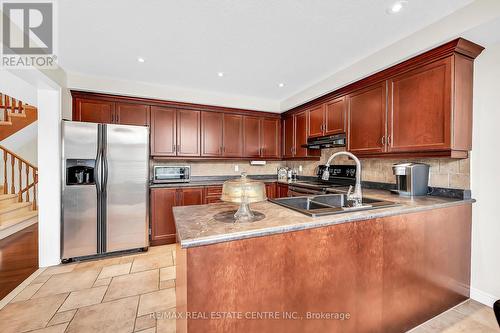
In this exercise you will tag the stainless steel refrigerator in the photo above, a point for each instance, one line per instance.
(105, 188)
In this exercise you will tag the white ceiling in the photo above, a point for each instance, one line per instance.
(256, 43)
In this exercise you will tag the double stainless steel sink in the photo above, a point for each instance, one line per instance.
(329, 204)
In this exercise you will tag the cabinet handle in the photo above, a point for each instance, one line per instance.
(383, 140)
(174, 148)
(389, 139)
(178, 148)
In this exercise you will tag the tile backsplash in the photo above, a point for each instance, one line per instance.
(447, 173)
(225, 168)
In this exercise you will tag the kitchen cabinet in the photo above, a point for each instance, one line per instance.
(335, 116)
(213, 194)
(261, 137)
(212, 125)
(295, 131)
(108, 112)
(93, 110)
(270, 138)
(175, 132)
(367, 120)
(251, 136)
(327, 118)
(288, 136)
(162, 219)
(131, 114)
(188, 132)
(420, 108)
(163, 131)
(316, 117)
(232, 142)
(281, 190)
(271, 190)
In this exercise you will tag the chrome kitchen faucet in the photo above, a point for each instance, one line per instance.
(357, 196)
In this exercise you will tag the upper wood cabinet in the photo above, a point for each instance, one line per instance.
(251, 136)
(270, 137)
(295, 129)
(335, 116)
(327, 118)
(188, 132)
(232, 142)
(131, 114)
(175, 132)
(367, 120)
(420, 108)
(93, 110)
(163, 131)
(212, 134)
(288, 136)
(261, 137)
(316, 121)
(104, 111)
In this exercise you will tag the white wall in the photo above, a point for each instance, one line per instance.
(485, 181)
(49, 166)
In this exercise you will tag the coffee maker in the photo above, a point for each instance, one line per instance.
(412, 179)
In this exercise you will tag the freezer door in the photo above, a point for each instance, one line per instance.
(127, 157)
(79, 202)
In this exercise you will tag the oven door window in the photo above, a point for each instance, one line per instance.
(169, 173)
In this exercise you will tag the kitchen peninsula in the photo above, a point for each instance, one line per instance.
(387, 270)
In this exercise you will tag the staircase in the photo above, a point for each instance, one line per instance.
(14, 115)
(18, 194)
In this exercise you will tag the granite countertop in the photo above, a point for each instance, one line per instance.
(196, 225)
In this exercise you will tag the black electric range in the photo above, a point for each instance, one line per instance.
(340, 176)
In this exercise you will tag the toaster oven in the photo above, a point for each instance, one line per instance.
(171, 174)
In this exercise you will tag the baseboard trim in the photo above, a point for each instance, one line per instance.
(483, 297)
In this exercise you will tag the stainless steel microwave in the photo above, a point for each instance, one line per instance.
(171, 174)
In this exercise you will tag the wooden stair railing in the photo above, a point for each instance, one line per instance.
(24, 168)
(11, 108)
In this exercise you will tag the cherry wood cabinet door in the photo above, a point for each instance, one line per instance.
(213, 194)
(93, 110)
(288, 136)
(271, 190)
(251, 136)
(316, 117)
(131, 114)
(282, 190)
(189, 196)
(270, 137)
(163, 131)
(211, 133)
(188, 132)
(300, 134)
(367, 120)
(233, 135)
(162, 218)
(335, 112)
(420, 100)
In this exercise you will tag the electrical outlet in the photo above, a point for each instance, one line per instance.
(300, 168)
(236, 168)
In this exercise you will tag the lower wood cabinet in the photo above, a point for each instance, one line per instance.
(271, 190)
(213, 193)
(162, 218)
(281, 190)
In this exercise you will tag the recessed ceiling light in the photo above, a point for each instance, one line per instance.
(281, 85)
(397, 7)
(140, 59)
(220, 74)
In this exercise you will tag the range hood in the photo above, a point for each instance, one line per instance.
(330, 141)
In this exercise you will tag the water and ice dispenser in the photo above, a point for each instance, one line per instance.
(80, 172)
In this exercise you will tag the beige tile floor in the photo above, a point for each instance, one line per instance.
(120, 294)
(117, 294)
